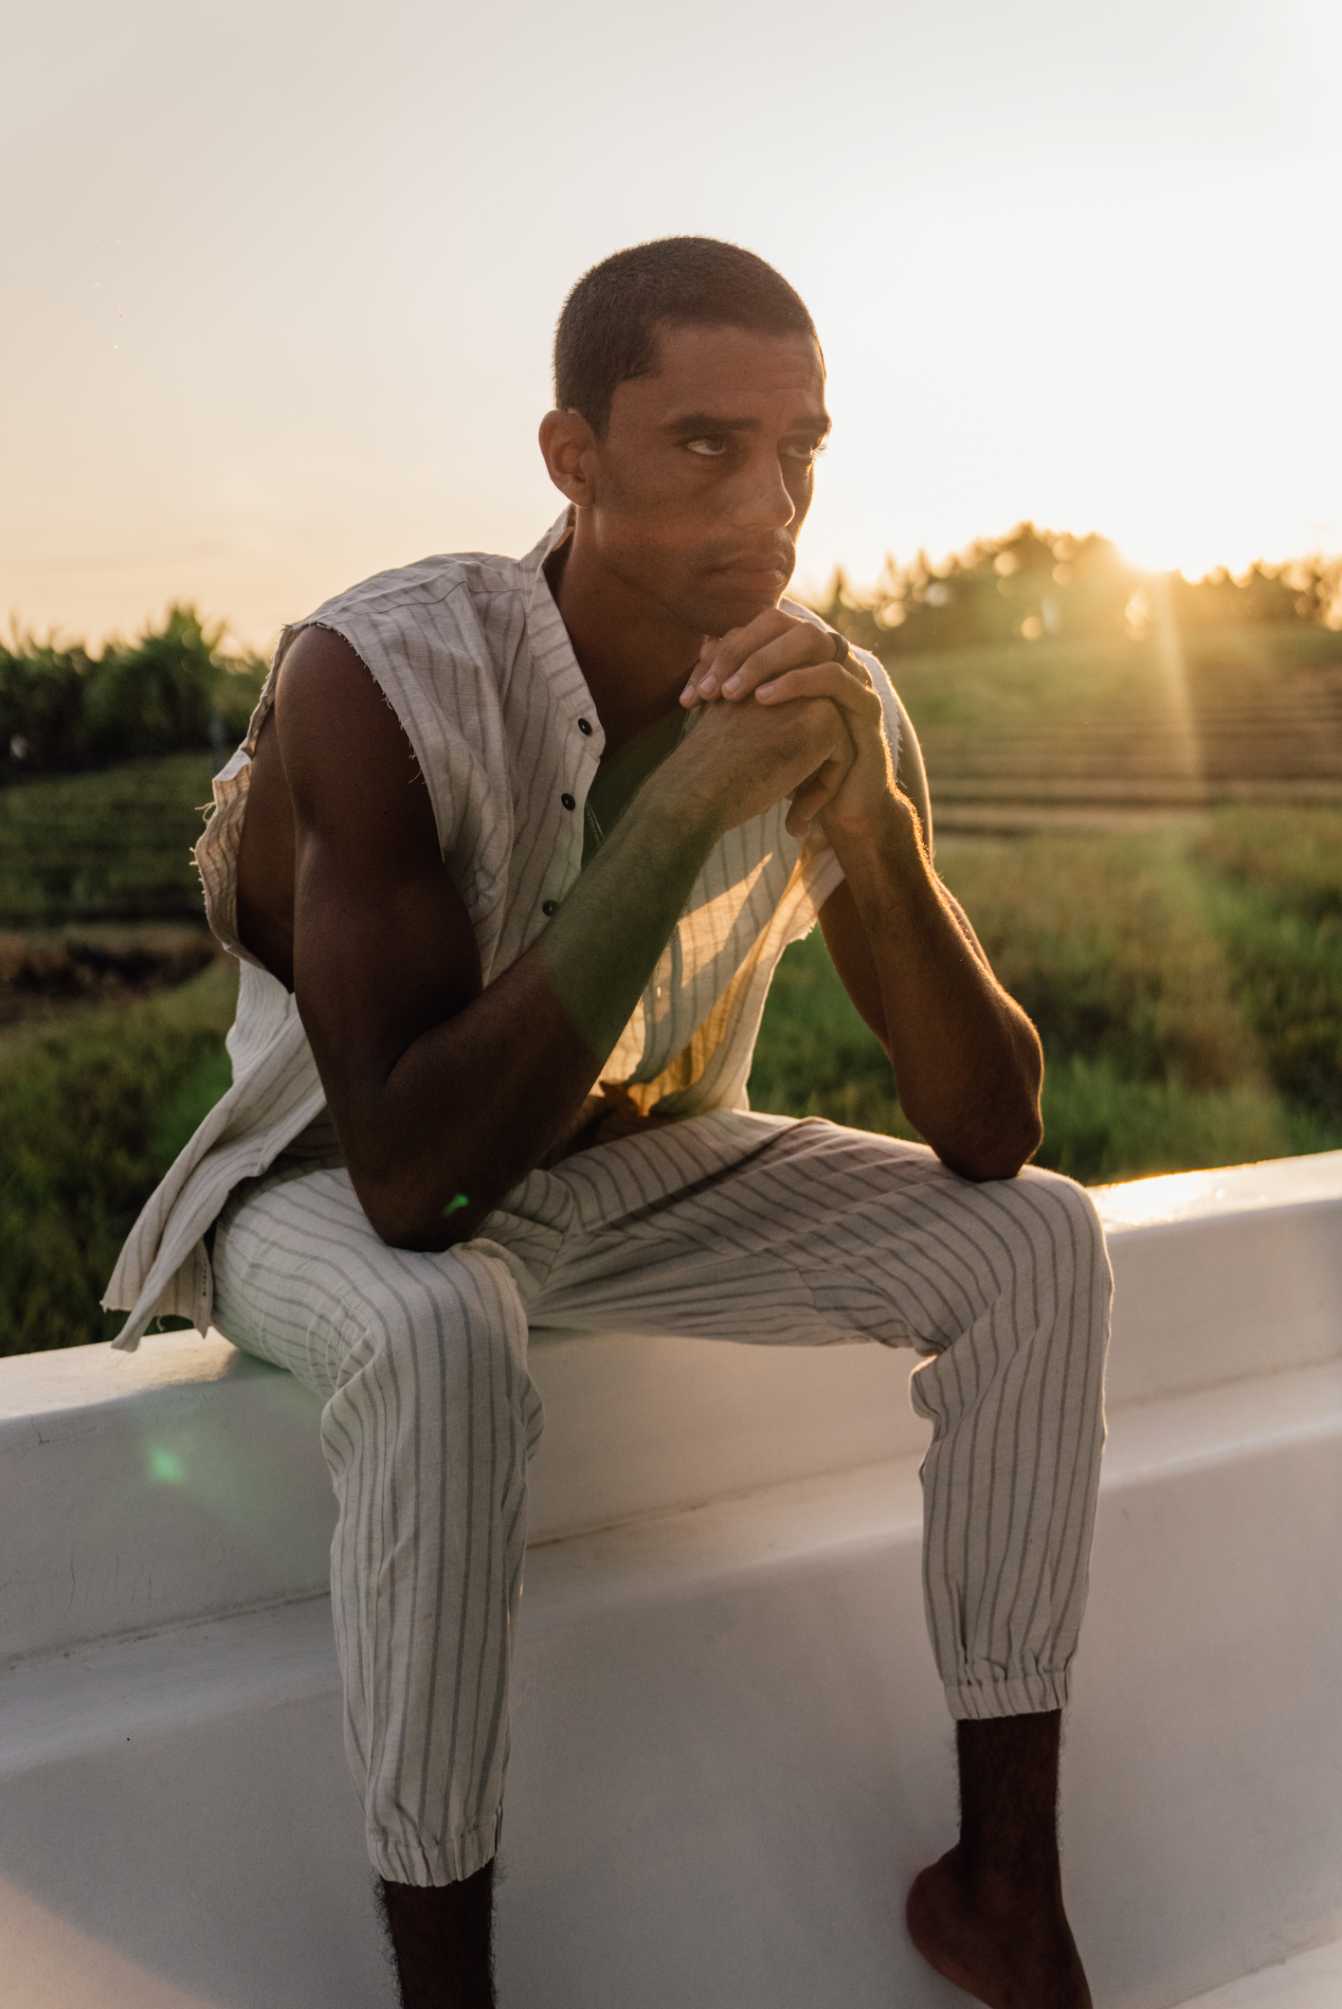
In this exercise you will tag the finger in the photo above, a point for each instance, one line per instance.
(817, 792)
(773, 641)
(850, 688)
(801, 646)
(805, 804)
(814, 793)
(738, 644)
(784, 652)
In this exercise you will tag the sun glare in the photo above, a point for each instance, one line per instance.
(1156, 539)
(1153, 554)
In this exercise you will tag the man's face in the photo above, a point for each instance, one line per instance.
(704, 477)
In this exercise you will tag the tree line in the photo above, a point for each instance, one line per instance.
(1033, 583)
(64, 710)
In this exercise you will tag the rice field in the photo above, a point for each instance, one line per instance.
(1180, 955)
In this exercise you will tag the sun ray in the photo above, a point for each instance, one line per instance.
(1185, 740)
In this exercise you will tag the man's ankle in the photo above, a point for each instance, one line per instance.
(442, 1938)
(1029, 1887)
(1008, 1851)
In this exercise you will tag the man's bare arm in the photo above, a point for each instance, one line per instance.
(439, 1087)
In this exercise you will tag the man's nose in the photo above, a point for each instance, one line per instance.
(763, 501)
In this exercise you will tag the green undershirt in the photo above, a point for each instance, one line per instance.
(619, 779)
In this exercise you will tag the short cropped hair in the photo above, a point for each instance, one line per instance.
(607, 330)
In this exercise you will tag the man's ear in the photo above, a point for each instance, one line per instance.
(569, 447)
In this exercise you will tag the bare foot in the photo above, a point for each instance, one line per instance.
(1010, 1956)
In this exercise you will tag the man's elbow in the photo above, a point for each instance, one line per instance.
(998, 1160)
(397, 1218)
(980, 1171)
(1018, 1130)
(457, 1223)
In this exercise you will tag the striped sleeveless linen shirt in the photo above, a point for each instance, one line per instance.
(473, 656)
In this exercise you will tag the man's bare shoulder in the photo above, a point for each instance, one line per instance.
(339, 734)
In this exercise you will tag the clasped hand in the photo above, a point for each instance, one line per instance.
(778, 656)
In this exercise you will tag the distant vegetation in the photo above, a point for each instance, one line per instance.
(1184, 982)
(1167, 757)
(93, 1110)
(1009, 732)
(114, 845)
(63, 710)
(1035, 583)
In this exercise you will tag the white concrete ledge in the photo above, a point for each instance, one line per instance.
(725, 1706)
(187, 1478)
(730, 1716)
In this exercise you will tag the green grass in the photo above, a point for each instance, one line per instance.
(1184, 981)
(93, 1112)
(1060, 684)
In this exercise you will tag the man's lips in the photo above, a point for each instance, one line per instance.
(753, 566)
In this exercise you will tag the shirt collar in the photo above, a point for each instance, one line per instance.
(550, 541)
(551, 649)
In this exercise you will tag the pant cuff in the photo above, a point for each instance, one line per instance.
(403, 1859)
(1014, 1695)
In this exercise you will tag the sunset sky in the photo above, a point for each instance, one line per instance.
(281, 278)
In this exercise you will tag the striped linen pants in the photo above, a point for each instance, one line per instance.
(735, 1225)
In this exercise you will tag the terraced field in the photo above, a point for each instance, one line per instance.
(1015, 745)
(1180, 952)
(109, 846)
(1029, 737)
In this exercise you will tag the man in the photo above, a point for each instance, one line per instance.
(488, 1075)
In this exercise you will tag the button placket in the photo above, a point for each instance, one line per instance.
(569, 801)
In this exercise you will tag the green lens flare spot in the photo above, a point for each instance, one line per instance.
(165, 1466)
(457, 1200)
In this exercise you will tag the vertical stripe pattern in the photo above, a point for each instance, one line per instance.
(731, 1225)
(472, 655)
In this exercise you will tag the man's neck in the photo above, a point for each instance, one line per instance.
(634, 657)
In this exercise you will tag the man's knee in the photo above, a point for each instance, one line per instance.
(1073, 1201)
(1073, 1245)
(452, 1331)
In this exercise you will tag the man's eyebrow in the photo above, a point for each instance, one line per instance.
(689, 424)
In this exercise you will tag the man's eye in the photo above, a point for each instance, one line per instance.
(714, 446)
